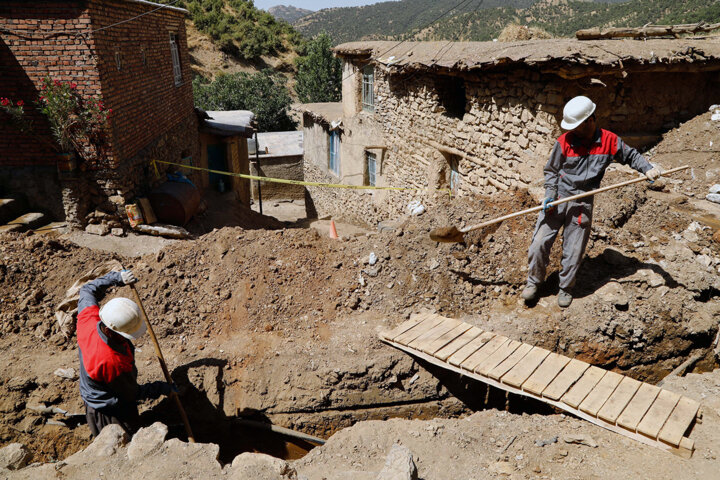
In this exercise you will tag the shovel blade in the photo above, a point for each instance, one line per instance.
(447, 235)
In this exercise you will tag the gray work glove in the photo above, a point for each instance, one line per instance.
(128, 277)
(654, 173)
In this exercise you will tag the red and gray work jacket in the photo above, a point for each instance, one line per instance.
(108, 377)
(575, 167)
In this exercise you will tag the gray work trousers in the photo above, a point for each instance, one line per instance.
(576, 218)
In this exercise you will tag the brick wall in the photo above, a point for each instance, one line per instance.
(142, 92)
(129, 64)
(44, 42)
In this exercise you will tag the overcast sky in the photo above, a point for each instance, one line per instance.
(312, 4)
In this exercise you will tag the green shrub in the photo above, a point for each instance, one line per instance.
(264, 93)
(319, 74)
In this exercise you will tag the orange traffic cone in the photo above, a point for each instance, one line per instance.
(333, 232)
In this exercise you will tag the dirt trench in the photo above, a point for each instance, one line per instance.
(281, 326)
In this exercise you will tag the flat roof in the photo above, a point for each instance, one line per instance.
(574, 56)
(281, 144)
(230, 122)
(323, 112)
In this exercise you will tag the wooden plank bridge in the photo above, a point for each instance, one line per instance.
(638, 410)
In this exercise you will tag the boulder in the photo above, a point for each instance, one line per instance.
(261, 467)
(110, 440)
(147, 440)
(14, 456)
(98, 229)
(399, 465)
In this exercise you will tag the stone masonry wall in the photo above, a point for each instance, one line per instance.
(504, 136)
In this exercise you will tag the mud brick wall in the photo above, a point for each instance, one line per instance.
(499, 130)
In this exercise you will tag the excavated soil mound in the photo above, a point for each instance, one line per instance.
(282, 324)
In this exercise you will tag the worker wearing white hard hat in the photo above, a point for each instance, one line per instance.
(108, 376)
(577, 164)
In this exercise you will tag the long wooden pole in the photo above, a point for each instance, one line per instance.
(566, 199)
(160, 357)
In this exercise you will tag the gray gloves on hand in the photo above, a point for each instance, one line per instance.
(128, 277)
(654, 173)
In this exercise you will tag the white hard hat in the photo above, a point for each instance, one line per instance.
(123, 316)
(576, 111)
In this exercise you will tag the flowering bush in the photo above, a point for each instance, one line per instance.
(72, 119)
(16, 112)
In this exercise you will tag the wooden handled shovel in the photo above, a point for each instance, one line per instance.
(160, 357)
(454, 235)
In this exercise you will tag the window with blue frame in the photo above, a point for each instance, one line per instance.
(370, 169)
(368, 88)
(334, 163)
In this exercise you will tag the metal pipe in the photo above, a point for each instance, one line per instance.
(281, 430)
(257, 170)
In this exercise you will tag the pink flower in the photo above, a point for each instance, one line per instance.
(73, 85)
(20, 103)
(57, 83)
(109, 111)
(4, 102)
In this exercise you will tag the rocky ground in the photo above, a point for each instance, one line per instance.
(281, 325)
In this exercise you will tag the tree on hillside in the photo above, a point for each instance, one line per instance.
(264, 93)
(319, 75)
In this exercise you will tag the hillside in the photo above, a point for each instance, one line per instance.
(234, 35)
(484, 20)
(288, 13)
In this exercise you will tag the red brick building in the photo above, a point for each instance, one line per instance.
(134, 54)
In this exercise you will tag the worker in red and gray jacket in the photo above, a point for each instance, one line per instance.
(108, 377)
(577, 164)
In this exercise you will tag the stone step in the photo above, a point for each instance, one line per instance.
(52, 228)
(30, 221)
(11, 206)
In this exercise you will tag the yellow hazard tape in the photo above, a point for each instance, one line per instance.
(292, 182)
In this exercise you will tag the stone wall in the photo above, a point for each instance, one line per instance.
(500, 130)
(288, 168)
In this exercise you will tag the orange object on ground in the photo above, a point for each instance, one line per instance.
(333, 232)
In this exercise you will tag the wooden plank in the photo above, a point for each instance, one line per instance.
(418, 330)
(659, 411)
(434, 334)
(679, 421)
(483, 363)
(406, 326)
(447, 337)
(402, 328)
(582, 387)
(441, 328)
(452, 347)
(522, 371)
(510, 362)
(635, 411)
(619, 400)
(464, 352)
(601, 393)
(545, 373)
(492, 345)
(565, 379)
